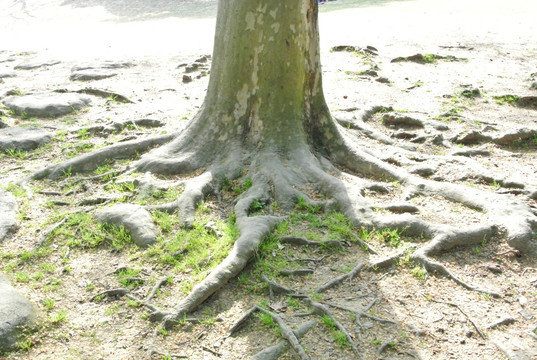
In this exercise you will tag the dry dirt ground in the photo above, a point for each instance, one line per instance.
(430, 317)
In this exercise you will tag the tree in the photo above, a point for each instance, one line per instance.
(265, 118)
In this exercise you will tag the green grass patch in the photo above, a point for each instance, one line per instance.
(81, 230)
(506, 99)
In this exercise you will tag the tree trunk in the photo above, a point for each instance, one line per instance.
(265, 87)
(265, 91)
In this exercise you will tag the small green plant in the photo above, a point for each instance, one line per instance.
(68, 172)
(293, 303)
(376, 342)
(49, 303)
(429, 58)
(16, 153)
(48, 267)
(328, 321)
(25, 344)
(509, 99)
(133, 303)
(302, 205)
(83, 134)
(257, 206)
(59, 317)
(419, 272)
(339, 337)
(129, 278)
(269, 322)
(390, 236)
(22, 277)
(164, 220)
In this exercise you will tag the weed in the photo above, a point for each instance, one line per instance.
(419, 273)
(49, 303)
(509, 99)
(59, 317)
(25, 344)
(133, 303)
(83, 134)
(269, 322)
(376, 342)
(293, 303)
(128, 278)
(257, 206)
(390, 236)
(68, 172)
(328, 322)
(48, 267)
(16, 153)
(164, 220)
(302, 205)
(22, 277)
(429, 58)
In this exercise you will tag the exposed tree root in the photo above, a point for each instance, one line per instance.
(287, 333)
(297, 240)
(338, 280)
(321, 310)
(274, 352)
(318, 178)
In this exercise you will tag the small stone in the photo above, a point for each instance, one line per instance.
(525, 314)
(21, 138)
(91, 74)
(187, 78)
(15, 312)
(383, 80)
(7, 75)
(8, 211)
(36, 65)
(471, 93)
(522, 300)
(47, 105)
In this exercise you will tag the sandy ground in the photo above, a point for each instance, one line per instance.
(498, 40)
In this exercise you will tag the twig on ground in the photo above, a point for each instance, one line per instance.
(390, 260)
(338, 280)
(48, 232)
(242, 320)
(153, 291)
(462, 311)
(323, 310)
(503, 322)
(296, 272)
(275, 288)
(111, 292)
(273, 352)
(211, 350)
(287, 333)
(363, 313)
(384, 346)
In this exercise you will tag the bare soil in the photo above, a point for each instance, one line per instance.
(495, 45)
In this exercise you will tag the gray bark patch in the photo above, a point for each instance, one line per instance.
(8, 210)
(15, 312)
(47, 105)
(136, 220)
(23, 138)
